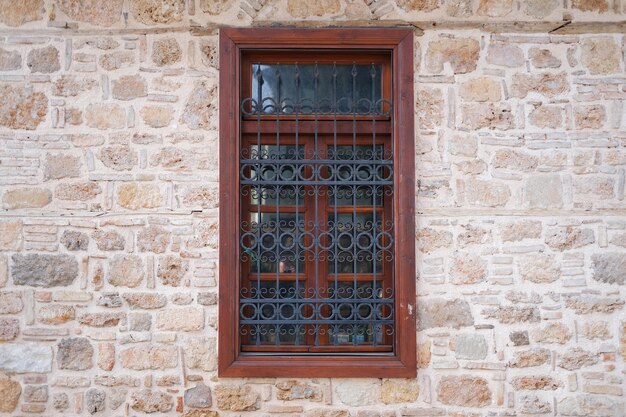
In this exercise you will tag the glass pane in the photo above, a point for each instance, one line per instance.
(277, 152)
(291, 88)
(358, 171)
(278, 312)
(278, 246)
(354, 249)
(277, 195)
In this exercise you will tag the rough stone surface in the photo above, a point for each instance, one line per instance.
(55, 314)
(92, 11)
(303, 8)
(117, 60)
(199, 108)
(601, 55)
(514, 160)
(106, 356)
(539, 268)
(11, 235)
(58, 166)
(459, 8)
(10, 302)
(591, 5)
(24, 358)
(215, 7)
(358, 392)
(468, 269)
(126, 271)
(185, 319)
(525, 229)
(545, 84)
(543, 58)
(200, 353)
(591, 405)
(394, 391)
(21, 107)
(75, 241)
(486, 193)
(172, 270)
(77, 191)
(544, 191)
(135, 196)
(95, 400)
(481, 89)
(569, 237)
(487, 116)
(10, 392)
(203, 196)
(609, 267)
(590, 117)
(540, 9)
(546, 117)
(139, 322)
(166, 52)
(531, 357)
(418, 5)
(577, 358)
(198, 397)
(145, 300)
(429, 239)
(513, 314)
(438, 312)
(149, 357)
(44, 60)
(18, 13)
(101, 319)
(470, 346)
(41, 270)
(461, 53)
(150, 12)
(542, 382)
(60, 401)
(10, 60)
(519, 338)
(9, 329)
(105, 116)
(587, 304)
(291, 390)
(71, 85)
(495, 8)
(464, 391)
(552, 333)
(74, 353)
(505, 55)
(108, 240)
(531, 404)
(148, 401)
(596, 330)
(155, 239)
(129, 87)
(236, 398)
(157, 116)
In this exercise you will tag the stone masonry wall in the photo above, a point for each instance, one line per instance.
(109, 195)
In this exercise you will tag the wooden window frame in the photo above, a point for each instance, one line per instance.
(402, 362)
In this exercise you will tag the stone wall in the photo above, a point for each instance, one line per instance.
(108, 228)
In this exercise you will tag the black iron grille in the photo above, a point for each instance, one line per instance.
(316, 223)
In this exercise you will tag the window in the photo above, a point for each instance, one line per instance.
(317, 274)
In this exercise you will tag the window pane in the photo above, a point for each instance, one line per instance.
(276, 244)
(355, 249)
(291, 88)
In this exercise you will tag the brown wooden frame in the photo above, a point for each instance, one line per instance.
(399, 41)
